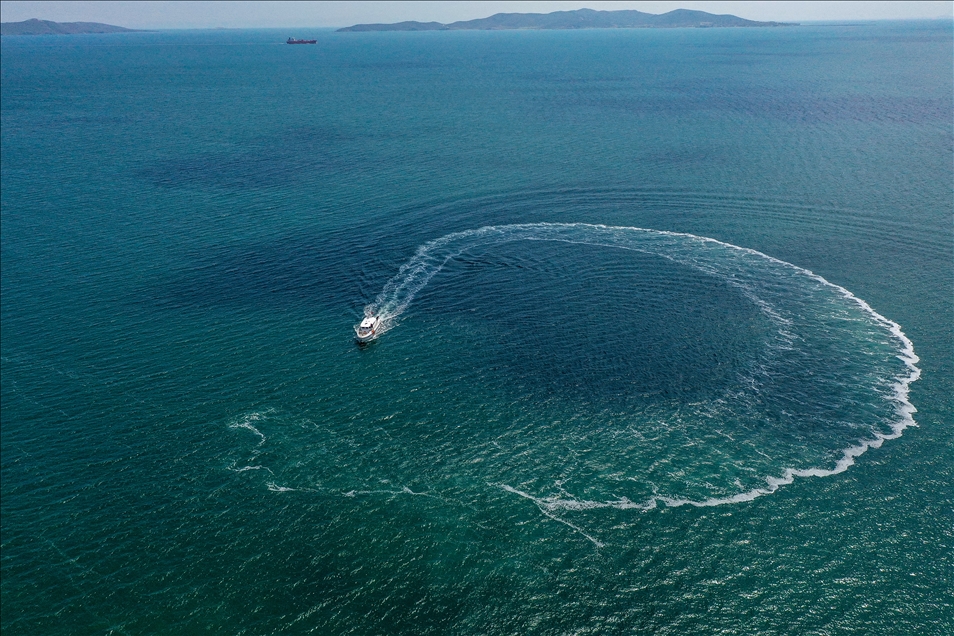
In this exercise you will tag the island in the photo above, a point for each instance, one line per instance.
(34, 26)
(579, 19)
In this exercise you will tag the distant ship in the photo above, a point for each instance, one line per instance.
(294, 41)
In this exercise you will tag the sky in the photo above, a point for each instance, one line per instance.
(190, 15)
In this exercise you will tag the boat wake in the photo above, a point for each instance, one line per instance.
(824, 337)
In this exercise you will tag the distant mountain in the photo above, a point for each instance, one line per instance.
(579, 19)
(46, 27)
(399, 26)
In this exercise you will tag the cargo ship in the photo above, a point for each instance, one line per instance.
(294, 41)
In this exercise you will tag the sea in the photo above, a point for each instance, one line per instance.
(666, 338)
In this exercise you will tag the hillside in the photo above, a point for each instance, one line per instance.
(47, 27)
(579, 19)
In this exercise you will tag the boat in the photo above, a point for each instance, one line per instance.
(294, 41)
(368, 329)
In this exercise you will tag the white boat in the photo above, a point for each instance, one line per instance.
(368, 329)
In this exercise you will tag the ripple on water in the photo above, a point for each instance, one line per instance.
(733, 373)
(829, 382)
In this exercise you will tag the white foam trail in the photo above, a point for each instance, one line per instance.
(431, 257)
(403, 491)
(245, 468)
(246, 423)
(546, 509)
(559, 503)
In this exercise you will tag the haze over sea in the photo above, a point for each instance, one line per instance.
(585, 416)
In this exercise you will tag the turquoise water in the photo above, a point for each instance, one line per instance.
(668, 347)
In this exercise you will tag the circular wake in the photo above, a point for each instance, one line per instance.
(831, 380)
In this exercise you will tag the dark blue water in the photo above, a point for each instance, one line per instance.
(659, 308)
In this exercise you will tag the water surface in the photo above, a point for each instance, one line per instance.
(675, 286)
